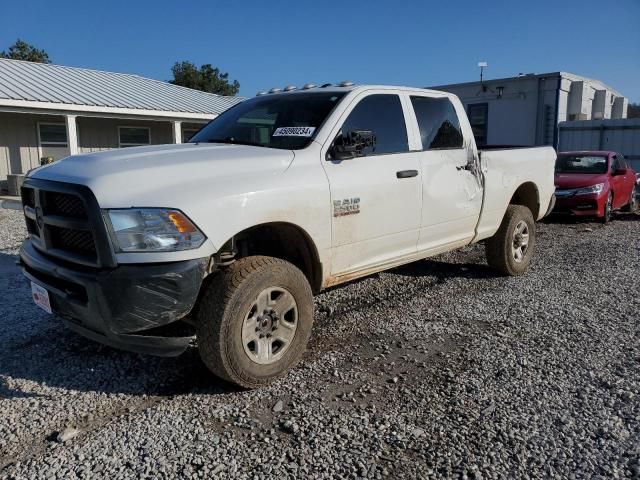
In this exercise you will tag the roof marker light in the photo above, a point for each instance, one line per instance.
(259, 94)
(345, 83)
(307, 86)
(289, 88)
(275, 90)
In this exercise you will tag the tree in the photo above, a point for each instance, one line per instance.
(634, 110)
(206, 78)
(23, 51)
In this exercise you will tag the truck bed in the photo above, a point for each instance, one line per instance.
(505, 168)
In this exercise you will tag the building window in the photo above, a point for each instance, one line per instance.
(52, 134)
(478, 114)
(134, 136)
(187, 133)
(438, 123)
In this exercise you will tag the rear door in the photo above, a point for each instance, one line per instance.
(622, 184)
(376, 197)
(629, 178)
(451, 193)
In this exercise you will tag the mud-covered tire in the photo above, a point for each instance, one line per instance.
(499, 249)
(223, 310)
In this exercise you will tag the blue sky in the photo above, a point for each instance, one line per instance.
(265, 44)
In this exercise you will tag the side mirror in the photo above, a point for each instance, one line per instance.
(620, 171)
(352, 144)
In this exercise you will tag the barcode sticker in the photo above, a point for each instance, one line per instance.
(294, 131)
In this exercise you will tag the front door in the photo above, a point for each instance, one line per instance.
(376, 196)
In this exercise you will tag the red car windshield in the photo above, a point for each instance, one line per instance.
(581, 164)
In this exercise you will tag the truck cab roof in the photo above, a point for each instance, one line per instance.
(357, 89)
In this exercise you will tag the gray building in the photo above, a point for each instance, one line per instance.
(54, 111)
(526, 110)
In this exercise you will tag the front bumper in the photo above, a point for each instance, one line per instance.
(589, 205)
(132, 307)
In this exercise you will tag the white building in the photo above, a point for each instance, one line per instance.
(526, 110)
(54, 111)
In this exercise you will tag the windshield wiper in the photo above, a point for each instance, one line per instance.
(233, 141)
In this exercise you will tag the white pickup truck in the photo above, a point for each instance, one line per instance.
(222, 242)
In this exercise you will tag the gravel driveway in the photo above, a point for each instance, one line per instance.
(436, 369)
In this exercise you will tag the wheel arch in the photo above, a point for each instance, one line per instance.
(283, 240)
(527, 195)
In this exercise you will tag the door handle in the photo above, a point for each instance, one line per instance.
(464, 167)
(407, 173)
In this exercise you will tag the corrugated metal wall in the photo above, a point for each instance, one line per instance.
(19, 150)
(19, 141)
(622, 136)
(96, 134)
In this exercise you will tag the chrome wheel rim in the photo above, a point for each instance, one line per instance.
(270, 325)
(520, 242)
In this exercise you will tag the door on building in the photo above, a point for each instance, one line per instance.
(52, 138)
(376, 197)
(478, 114)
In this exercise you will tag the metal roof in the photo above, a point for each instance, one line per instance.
(30, 82)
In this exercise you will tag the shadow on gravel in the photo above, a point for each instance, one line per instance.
(627, 217)
(556, 219)
(445, 270)
(37, 354)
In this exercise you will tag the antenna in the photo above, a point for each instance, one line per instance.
(482, 66)
(483, 87)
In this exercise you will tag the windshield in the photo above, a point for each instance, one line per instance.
(581, 164)
(275, 121)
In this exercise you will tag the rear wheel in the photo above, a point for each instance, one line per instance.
(509, 251)
(254, 320)
(608, 208)
(632, 206)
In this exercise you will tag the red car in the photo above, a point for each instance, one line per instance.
(594, 184)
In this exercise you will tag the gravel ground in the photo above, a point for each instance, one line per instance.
(435, 369)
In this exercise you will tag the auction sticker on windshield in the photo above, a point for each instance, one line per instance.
(294, 131)
(40, 297)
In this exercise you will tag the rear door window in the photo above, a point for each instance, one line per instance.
(438, 123)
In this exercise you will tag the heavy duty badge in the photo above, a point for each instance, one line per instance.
(348, 206)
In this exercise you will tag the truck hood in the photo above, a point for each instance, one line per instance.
(133, 176)
(579, 180)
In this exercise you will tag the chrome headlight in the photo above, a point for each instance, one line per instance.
(598, 188)
(152, 230)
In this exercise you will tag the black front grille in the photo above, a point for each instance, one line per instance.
(64, 221)
(78, 241)
(32, 227)
(28, 197)
(56, 203)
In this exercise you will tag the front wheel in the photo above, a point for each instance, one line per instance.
(608, 208)
(254, 320)
(509, 251)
